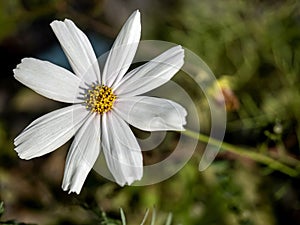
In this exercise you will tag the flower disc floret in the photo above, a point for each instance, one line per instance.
(100, 99)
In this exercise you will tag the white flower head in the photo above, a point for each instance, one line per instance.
(103, 104)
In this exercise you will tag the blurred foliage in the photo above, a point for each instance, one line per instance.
(9, 222)
(256, 44)
(253, 47)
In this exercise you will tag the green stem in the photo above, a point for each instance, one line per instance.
(249, 153)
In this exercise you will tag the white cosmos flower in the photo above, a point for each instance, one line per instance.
(103, 104)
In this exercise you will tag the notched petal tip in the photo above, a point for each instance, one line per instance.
(137, 25)
(136, 14)
(68, 20)
(180, 54)
(73, 191)
(20, 65)
(136, 11)
(23, 155)
(178, 51)
(70, 190)
(129, 181)
(74, 182)
(24, 62)
(183, 117)
(184, 113)
(135, 21)
(27, 59)
(15, 71)
(55, 22)
(178, 48)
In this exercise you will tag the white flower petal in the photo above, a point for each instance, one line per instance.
(121, 150)
(82, 154)
(78, 50)
(49, 80)
(122, 51)
(152, 74)
(49, 132)
(150, 113)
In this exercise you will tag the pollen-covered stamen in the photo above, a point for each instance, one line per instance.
(100, 99)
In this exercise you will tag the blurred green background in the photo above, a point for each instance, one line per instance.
(253, 48)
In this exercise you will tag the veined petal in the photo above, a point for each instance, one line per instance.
(121, 150)
(150, 113)
(152, 74)
(49, 132)
(49, 80)
(82, 155)
(78, 50)
(123, 50)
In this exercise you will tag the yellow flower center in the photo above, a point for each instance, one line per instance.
(100, 99)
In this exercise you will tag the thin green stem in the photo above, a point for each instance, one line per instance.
(249, 153)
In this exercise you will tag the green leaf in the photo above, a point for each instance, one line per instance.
(123, 218)
(145, 217)
(169, 219)
(1, 208)
(153, 217)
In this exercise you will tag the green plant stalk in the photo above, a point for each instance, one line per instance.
(248, 153)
